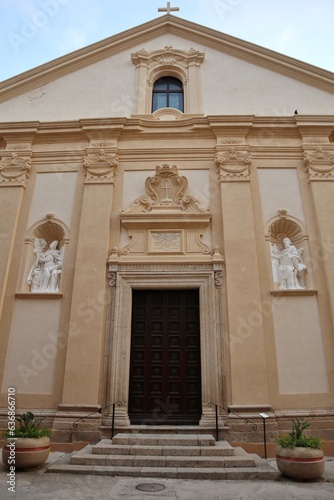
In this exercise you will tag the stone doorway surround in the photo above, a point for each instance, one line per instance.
(166, 251)
(207, 278)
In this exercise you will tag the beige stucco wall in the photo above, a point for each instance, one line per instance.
(279, 188)
(54, 193)
(301, 362)
(34, 347)
(108, 88)
(236, 87)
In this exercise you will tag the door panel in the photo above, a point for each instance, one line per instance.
(165, 373)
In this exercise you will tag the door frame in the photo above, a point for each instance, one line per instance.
(122, 279)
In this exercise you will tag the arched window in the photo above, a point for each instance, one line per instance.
(167, 93)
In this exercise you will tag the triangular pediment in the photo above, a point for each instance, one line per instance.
(167, 24)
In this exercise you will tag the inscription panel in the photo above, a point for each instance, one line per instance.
(165, 242)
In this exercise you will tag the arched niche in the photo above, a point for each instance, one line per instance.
(288, 250)
(41, 237)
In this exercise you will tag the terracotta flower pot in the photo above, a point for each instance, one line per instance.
(25, 452)
(300, 463)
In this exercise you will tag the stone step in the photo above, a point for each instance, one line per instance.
(263, 472)
(162, 456)
(162, 461)
(164, 439)
(105, 447)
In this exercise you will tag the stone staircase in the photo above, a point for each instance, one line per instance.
(177, 456)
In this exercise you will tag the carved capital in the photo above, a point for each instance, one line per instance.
(14, 170)
(233, 165)
(100, 168)
(319, 164)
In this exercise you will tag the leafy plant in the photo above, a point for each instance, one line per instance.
(29, 426)
(297, 437)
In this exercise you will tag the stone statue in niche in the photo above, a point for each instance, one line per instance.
(288, 266)
(44, 275)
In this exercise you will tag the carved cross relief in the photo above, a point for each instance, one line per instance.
(166, 190)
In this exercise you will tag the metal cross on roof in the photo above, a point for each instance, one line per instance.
(168, 9)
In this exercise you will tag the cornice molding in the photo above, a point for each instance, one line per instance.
(227, 130)
(246, 51)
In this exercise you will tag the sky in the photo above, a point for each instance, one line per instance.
(33, 32)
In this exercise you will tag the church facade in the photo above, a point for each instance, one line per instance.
(167, 236)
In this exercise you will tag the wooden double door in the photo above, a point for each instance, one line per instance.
(165, 371)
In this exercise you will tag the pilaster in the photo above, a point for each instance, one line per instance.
(248, 371)
(84, 361)
(15, 164)
(319, 168)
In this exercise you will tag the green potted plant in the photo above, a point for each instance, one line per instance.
(300, 456)
(28, 444)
